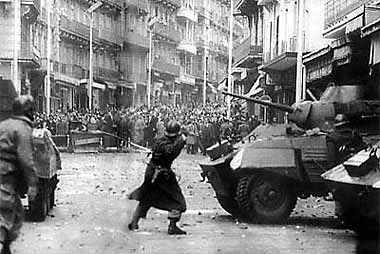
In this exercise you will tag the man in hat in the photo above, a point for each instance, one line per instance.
(17, 169)
(160, 188)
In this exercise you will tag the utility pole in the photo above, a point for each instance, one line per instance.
(205, 37)
(48, 55)
(149, 67)
(230, 82)
(299, 75)
(91, 10)
(17, 33)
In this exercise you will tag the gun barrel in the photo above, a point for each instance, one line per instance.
(279, 106)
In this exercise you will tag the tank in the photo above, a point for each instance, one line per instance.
(261, 178)
(355, 185)
(46, 156)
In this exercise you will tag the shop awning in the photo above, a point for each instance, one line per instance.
(280, 63)
(94, 84)
(318, 64)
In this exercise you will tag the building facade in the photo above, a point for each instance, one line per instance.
(189, 39)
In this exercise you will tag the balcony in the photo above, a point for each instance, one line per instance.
(109, 36)
(136, 39)
(337, 9)
(174, 3)
(202, 11)
(113, 3)
(344, 18)
(187, 46)
(77, 28)
(29, 54)
(34, 9)
(106, 74)
(140, 4)
(187, 13)
(70, 70)
(140, 77)
(246, 54)
(164, 67)
(167, 32)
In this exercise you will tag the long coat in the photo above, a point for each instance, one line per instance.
(162, 192)
(17, 171)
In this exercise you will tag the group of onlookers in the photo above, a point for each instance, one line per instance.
(204, 125)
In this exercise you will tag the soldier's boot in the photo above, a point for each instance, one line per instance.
(173, 229)
(4, 243)
(140, 212)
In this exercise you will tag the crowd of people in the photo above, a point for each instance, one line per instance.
(204, 125)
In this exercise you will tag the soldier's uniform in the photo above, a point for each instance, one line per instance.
(160, 188)
(17, 173)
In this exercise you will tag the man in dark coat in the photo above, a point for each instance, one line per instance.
(17, 169)
(160, 188)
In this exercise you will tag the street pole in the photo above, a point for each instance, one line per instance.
(230, 82)
(48, 55)
(205, 61)
(299, 84)
(91, 74)
(17, 27)
(149, 67)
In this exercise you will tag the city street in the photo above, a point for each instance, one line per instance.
(93, 211)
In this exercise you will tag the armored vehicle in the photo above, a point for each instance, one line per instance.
(46, 155)
(262, 178)
(355, 185)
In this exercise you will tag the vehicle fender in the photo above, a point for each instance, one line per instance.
(282, 161)
(220, 175)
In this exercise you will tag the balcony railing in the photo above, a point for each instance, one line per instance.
(337, 9)
(136, 39)
(106, 73)
(72, 70)
(36, 4)
(77, 28)
(137, 76)
(109, 35)
(28, 52)
(167, 32)
(246, 49)
(176, 3)
(164, 67)
(141, 4)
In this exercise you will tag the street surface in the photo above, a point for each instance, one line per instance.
(93, 211)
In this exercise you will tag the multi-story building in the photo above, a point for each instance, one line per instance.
(28, 53)
(133, 57)
(212, 39)
(274, 27)
(187, 18)
(347, 59)
(166, 38)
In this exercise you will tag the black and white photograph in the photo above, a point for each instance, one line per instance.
(189, 126)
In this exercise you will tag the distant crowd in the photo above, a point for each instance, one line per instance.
(204, 125)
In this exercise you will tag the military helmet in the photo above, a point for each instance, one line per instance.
(24, 106)
(172, 129)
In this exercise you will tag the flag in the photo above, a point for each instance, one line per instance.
(151, 22)
(222, 85)
(213, 89)
(255, 89)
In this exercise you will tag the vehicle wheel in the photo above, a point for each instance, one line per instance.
(230, 205)
(266, 198)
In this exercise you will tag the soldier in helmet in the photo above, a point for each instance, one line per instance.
(160, 188)
(17, 170)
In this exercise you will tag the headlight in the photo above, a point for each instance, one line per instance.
(236, 161)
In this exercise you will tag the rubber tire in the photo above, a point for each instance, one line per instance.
(230, 205)
(251, 208)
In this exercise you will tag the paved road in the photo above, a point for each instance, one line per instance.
(92, 213)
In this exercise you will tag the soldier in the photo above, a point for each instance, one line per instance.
(17, 169)
(160, 188)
